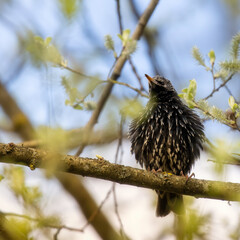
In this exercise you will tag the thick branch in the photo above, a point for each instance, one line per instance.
(121, 61)
(20, 121)
(10, 153)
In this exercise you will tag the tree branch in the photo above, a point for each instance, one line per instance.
(10, 153)
(121, 61)
(20, 122)
(220, 86)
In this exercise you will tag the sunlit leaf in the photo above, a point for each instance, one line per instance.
(212, 57)
(233, 105)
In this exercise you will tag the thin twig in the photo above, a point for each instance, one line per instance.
(119, 17)
(9, 214)
(137, 75)
(148, 36)
(230, 93)
(129, 59)
(213, 76)
(94, 214)
(129, 86)
(236, 163)
(119, 147)
(219, 87)
(118, 68)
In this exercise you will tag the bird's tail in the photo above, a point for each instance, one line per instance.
(168, 202)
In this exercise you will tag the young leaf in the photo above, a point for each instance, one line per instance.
(212, 57)
(233, 105)
(192, 89)
(125, 36)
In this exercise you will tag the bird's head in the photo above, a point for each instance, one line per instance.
(159, 86)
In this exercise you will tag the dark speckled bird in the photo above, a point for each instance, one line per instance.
(167, 137)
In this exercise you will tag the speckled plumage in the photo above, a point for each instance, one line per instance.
(167, 136)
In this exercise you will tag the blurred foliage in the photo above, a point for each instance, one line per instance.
(28, 196)
(55, 141)
(69, 7)
(77, 99)
(221, 154)
(43, 51)
(235, 234)
(131, 108)
(52, 139)
(193, 225)
(30, 199)
(19, 229)
(234, 6)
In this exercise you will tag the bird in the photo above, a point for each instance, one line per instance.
(166, 136)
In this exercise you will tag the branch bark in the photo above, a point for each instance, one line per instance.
(102, 169)
(20, 122)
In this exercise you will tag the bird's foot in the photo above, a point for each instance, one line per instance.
(155, 171)
(186, 176)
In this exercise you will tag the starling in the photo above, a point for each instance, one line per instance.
(167, 137)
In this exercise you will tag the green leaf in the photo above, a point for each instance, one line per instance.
(212, 57)
(125, 36)
(235, 46)
(19, 229)
(181, 95)
(198, 56)
(191, 93)
(188, 94)
(233, 105)
(128, 43)
(69, 7)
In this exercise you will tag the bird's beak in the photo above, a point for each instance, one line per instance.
(149, 78)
